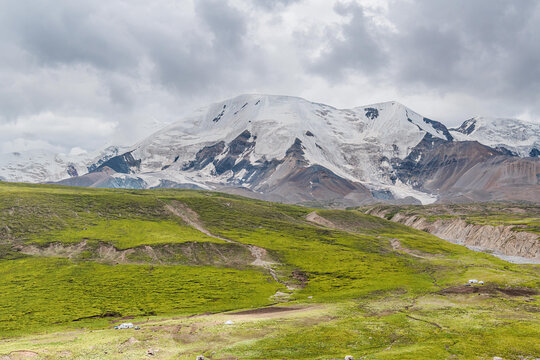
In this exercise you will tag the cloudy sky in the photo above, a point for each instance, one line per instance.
(82, 74)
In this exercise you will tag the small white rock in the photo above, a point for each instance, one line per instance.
(310, 297)
(497, 358)
(229, 322)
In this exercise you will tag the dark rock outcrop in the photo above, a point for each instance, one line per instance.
(440, 128)
(125, 164)
(72, 171)
(467, 127)
(205, 156)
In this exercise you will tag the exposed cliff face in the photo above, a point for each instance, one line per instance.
(501, 240)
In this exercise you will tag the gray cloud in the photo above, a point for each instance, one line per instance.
(272, 4)
(468, 46)
(193, 62)
(351, 47)
(67, 32)
(126, 66)
(484, 48)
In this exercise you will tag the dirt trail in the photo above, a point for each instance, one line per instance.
(192, 218)
(319, 220)
(426, 321)
(396, 245)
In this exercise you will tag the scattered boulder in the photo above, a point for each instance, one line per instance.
(349, 357)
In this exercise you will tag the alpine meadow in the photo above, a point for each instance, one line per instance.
(270, 180)
(295, 282)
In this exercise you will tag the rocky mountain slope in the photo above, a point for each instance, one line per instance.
(291, 150)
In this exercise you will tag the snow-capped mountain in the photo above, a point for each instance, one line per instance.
(234, 143)
(36, 166)
(516, 137)
(289, 149)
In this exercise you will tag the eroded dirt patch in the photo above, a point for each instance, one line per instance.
(122, 319)
(518, 291)
(21, 354)
(268, 310)
(396, 245)
(301, 277)
(319, 220)
(510, 291)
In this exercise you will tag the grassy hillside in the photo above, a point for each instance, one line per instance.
(75, 260)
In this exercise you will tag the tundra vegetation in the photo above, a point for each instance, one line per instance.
(182, 263)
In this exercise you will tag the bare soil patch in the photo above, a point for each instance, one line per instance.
(268, 310)
(510, 291)
(301, 277)
(518, 291)
(122, 319)
(22, 354)
(396, 245)
(319, 220)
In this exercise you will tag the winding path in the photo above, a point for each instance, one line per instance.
(192, 218)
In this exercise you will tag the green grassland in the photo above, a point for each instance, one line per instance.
(73, 260)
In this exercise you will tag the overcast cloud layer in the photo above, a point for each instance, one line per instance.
(83, 74)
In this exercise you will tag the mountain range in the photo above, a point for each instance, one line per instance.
(288, 149)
